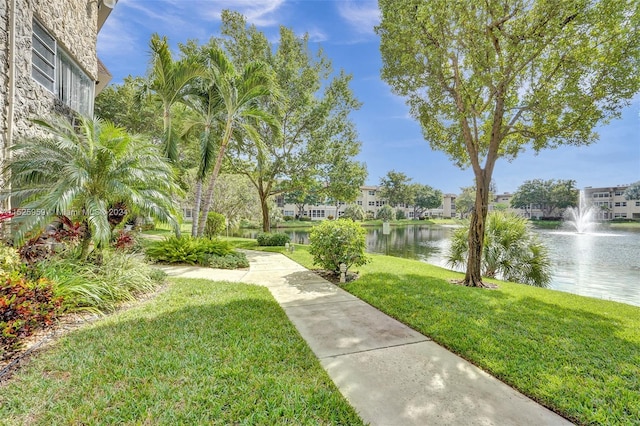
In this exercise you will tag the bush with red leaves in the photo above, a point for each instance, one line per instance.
(25, 306)
(125, 241)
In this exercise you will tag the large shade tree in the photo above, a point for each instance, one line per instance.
(547, 195)
(633, 191)
(123, 106)
(313, 112)
(396, 189)
(424, 198)
(85, 169)
(488, 79)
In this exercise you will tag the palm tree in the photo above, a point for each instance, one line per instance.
(168, 81)
(85, 169)
(205, 104)
(238, 94)
(511, 250)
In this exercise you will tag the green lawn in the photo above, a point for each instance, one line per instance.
(201, 352)
(578, 356)
(624, 225)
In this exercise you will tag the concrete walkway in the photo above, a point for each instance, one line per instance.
(391, 374)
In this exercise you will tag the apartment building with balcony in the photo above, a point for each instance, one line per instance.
(48, 62)
(610, 203)
(370, 201)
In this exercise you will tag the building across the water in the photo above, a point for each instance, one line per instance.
(611, 203)
(370, 201)
(610, 200)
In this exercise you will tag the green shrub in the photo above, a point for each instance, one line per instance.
(249, 224)
(400, 214)
(233, 260)
(386, 213)
(511, 251)
(353, 212)
(215, 225)
(336, 242)
(100, 287)
(272, 239)
(186, 250)
(25, 306)
(305, 219)
(288, 218)
(9, 261)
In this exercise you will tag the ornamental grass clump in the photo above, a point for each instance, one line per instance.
(338, 241)
(100, 286)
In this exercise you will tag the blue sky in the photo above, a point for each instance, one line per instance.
(390, 138)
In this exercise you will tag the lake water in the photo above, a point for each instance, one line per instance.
(605, 264)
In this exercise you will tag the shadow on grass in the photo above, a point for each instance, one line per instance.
(582, 364)
(211, 355)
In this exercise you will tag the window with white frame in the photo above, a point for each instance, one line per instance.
(54, 69)
(43, 57)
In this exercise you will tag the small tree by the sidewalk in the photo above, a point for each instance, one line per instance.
(215, 225)
(338, 241)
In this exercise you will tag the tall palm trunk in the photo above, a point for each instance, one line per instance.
(214, 176)
(196, 209)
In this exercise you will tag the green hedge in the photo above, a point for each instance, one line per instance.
(272, 239)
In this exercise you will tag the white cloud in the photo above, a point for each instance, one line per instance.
(261, 13)
(361, 15)
(116, 38)
(155, 11)
(317, 35)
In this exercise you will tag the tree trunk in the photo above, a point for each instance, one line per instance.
(166, 121)
(473, 276)
(214, 176)
(85, 244)
(264, 205)
(202, 220)
(196, 209)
